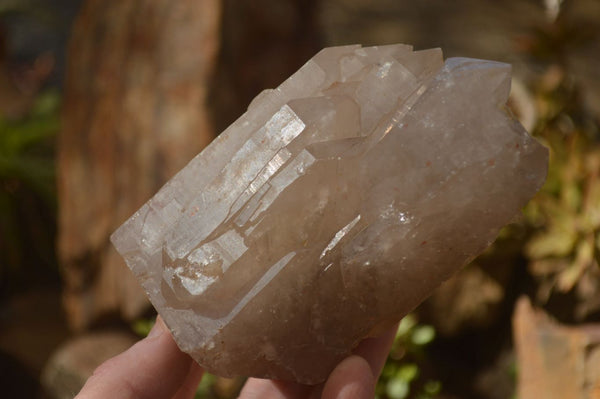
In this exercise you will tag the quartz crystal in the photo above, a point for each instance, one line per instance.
(331, 208)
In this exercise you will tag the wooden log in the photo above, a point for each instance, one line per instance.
(555, 361)
(135, 112)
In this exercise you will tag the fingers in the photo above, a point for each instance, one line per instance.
(154, 368)
(354, 377)
(190, 384)
(375, 350)
(351, 379)
(268, 389)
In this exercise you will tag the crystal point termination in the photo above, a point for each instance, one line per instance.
(331, 208)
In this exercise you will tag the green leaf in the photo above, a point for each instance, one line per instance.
(205, 386)
(571, 196)
(408, 372)
(590, 217)
(46, 103)
(584, 257)
(406, 324)
(15, 137)
(397, 389)
(142, 327)
(432, 387)
(422, 335)
(556, 241)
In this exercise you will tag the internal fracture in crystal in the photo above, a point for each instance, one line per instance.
(331, 208)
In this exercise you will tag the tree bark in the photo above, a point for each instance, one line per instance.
(263, 43)
(135, 112)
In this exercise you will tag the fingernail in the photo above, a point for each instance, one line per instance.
(158, 329)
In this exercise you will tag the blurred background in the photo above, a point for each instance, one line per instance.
(103, 101)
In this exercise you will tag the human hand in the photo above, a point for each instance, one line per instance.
(155, 368)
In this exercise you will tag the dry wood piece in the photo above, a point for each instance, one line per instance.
(555, 361)
(134, 113)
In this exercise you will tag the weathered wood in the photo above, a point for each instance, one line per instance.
(555, 361)
(263, 43)
(135, 112)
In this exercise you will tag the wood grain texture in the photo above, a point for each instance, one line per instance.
(135, 112)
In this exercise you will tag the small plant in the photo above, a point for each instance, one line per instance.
(564, 250)
(401, 376)
(27, 184)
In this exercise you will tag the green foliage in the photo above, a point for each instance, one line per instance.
(142, 326)
(27, 182)
(564, 250)
(20, 140)
(401, 377)
(205, 388)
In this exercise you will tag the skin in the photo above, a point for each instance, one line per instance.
(155, 368)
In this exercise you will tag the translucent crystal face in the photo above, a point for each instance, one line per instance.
(331, 208)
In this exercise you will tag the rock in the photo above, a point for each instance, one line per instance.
(74, 362)
(331, 208)
(555, 361)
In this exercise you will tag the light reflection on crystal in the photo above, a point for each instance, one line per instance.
(331, 208)
(339, 235)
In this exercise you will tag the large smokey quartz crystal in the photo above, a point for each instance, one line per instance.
(331, 208)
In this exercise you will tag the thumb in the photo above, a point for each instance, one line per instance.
(153, 368)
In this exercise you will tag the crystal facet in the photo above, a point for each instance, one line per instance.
(331, 208)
